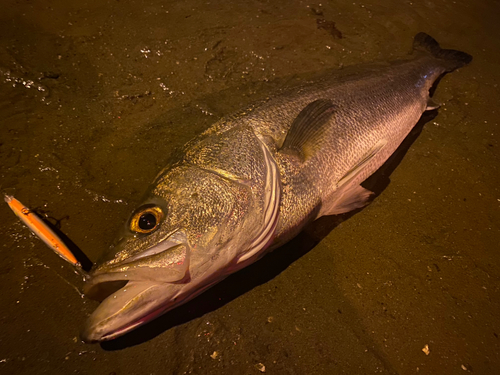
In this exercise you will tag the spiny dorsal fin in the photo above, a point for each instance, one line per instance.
(308, 128)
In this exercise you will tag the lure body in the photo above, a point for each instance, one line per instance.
(41, 230)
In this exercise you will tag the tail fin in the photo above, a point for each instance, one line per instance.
(452, 59)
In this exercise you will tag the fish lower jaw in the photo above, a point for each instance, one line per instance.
(92, 336)
(103, 324)
(127, 308)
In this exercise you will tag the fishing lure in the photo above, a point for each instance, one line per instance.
(41, 230)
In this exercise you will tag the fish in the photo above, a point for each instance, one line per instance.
(254, 179)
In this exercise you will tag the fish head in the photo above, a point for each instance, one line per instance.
(185, 236)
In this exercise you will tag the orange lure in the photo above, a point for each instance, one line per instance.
(37, 226)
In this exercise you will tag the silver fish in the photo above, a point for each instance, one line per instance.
(253, 180)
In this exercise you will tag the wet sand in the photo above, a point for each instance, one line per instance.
(96, 96)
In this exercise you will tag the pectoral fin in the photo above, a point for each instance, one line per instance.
(307, 130)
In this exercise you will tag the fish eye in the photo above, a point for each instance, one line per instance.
(146, 219)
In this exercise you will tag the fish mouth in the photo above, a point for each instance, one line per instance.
(129, 307)
(166, 262)
(135, 290)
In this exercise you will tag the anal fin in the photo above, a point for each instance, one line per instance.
(345, 200)
(432, 104)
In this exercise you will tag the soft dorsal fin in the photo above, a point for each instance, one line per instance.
(308, 128)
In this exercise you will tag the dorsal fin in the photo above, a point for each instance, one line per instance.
(306, 132)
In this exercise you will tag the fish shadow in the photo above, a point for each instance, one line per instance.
(272, 264)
